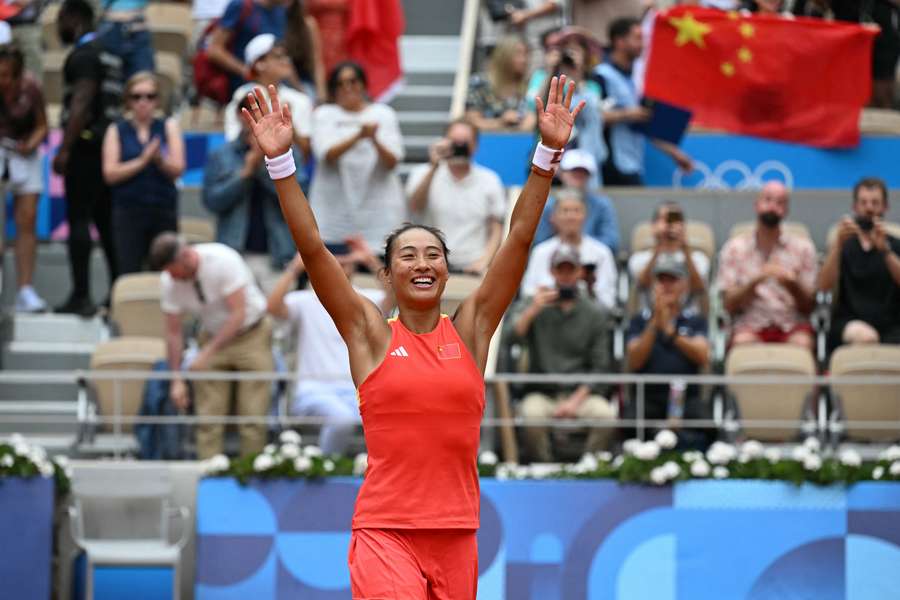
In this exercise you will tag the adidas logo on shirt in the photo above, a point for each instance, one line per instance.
(401, 351)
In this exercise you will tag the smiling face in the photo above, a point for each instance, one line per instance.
(142, 97)
(418, 269)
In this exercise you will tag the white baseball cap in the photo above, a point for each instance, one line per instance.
(258, 47)
(578, 159)
(5, 33)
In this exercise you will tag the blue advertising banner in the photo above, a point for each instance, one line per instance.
(576, 540)
(26, 537)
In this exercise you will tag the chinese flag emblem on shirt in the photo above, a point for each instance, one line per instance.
(798, 80)
(449, 351)
(373, 35)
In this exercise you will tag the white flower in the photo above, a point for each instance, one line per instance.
(503, 471)
(16, 439)
(700, 468)
(589, 462)
(328, 465)
(744, 458)
(720, 472)
(62, 460)
(216, 464)
(812, 444)
(850, 458)
(22, 449)
(69, 472)
(812, 462)
(312, 451)
(895, 468)
(360, 463)
(800, 453)
(302, 464)
(46, 468)
(672, 469)
(892, 453)
(658, 476)
(773, 455)
(604, 456)
(630, 446)
(270, 449)
(289, 436)
(878, 472)
(752, 449)
(721, 453)
(290, 450)
(647, 451)
(617, 461)
(692, 456)
(487, 458)
(666, 439)
(521, 472)
(7, 461)
(263, 462)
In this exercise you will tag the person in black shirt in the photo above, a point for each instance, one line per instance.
(863, 262)
(670, 339)
(92, 84)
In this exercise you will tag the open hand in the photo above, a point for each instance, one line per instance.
(555, 120)
(272, 128)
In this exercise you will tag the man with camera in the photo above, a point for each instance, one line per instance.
(863, 261)
(670, 239)
(564, 332)
(461, 198)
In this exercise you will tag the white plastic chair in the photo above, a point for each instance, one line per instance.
(117, 491)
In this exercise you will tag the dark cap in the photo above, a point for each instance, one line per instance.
(565, 254)
(669, 264)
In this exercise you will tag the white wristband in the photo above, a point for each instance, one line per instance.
(281, 166)
(547, 158)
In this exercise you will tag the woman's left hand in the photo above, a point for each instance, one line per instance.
(555, 121)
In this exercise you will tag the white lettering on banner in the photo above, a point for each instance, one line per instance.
(748, 179)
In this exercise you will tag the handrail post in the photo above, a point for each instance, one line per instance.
(466, 50)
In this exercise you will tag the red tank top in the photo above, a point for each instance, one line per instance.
(421, 410)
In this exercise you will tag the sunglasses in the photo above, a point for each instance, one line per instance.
(151, 96)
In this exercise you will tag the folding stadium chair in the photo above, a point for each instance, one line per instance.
(197, 230)
(772, 402)
(169, 14)
(700, 237)
(116, 397)
(793, 227)
(138, 498)
(53, 76)
(169, 73)
(135, 306)
(48, 27)
(866, 402)
(171, 39)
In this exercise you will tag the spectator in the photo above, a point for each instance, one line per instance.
(212, 282)
(324, 385)
(25, 32)
(269, 64)
(767, 277)
(565, 333)
(242, 21)
(143, 155)
(886, 51)
(331, 17)
(123, 31)
(92, 86)
(599, 266)
(820, 9)
(864, 264)
(773, 8)
(497, 100)
(625, 164)
(238, 190)
(23, 126)
(204, 12)
(357, 145)
(670, 238)
(668, 339)
(304, 45)
(461, 198)
(583, 52)
(528, 19)
(600, 222)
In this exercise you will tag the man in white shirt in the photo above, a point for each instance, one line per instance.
(461, 198)
(268, 63)
(324, 384)
(598, 263)
(212, 282)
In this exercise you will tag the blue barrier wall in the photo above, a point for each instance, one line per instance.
(576, 540)
(26, 537)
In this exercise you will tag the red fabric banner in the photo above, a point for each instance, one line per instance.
(798, 80)
(373, 37)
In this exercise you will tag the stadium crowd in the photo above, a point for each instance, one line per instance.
(121, 157)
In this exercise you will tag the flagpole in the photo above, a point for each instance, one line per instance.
(466, 49)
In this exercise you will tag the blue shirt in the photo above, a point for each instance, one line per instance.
(600, 223)
(626, 144)
(258, 20)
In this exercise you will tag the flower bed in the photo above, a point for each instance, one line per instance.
(20, 459)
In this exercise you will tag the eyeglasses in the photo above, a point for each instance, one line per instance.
(136, 97)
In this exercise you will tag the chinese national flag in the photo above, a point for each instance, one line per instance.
(373, 34)
(799, 80)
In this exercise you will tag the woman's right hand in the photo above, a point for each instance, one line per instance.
(272, 127)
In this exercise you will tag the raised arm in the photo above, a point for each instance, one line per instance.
(273, 130)
(480, 314)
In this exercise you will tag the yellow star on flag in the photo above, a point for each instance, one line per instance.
(746, 30)
(690, 30)
(744, 54)
(727, 69)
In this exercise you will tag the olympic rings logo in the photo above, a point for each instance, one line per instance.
(734, 175)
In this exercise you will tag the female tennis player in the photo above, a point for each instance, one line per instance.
(420, 377)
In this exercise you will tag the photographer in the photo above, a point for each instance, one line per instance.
(670, 238)
(863, 262)
(565, 332)
(461, 198)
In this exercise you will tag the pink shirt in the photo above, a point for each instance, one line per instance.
(741, 260)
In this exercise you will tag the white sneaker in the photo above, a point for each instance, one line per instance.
(27, 300)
